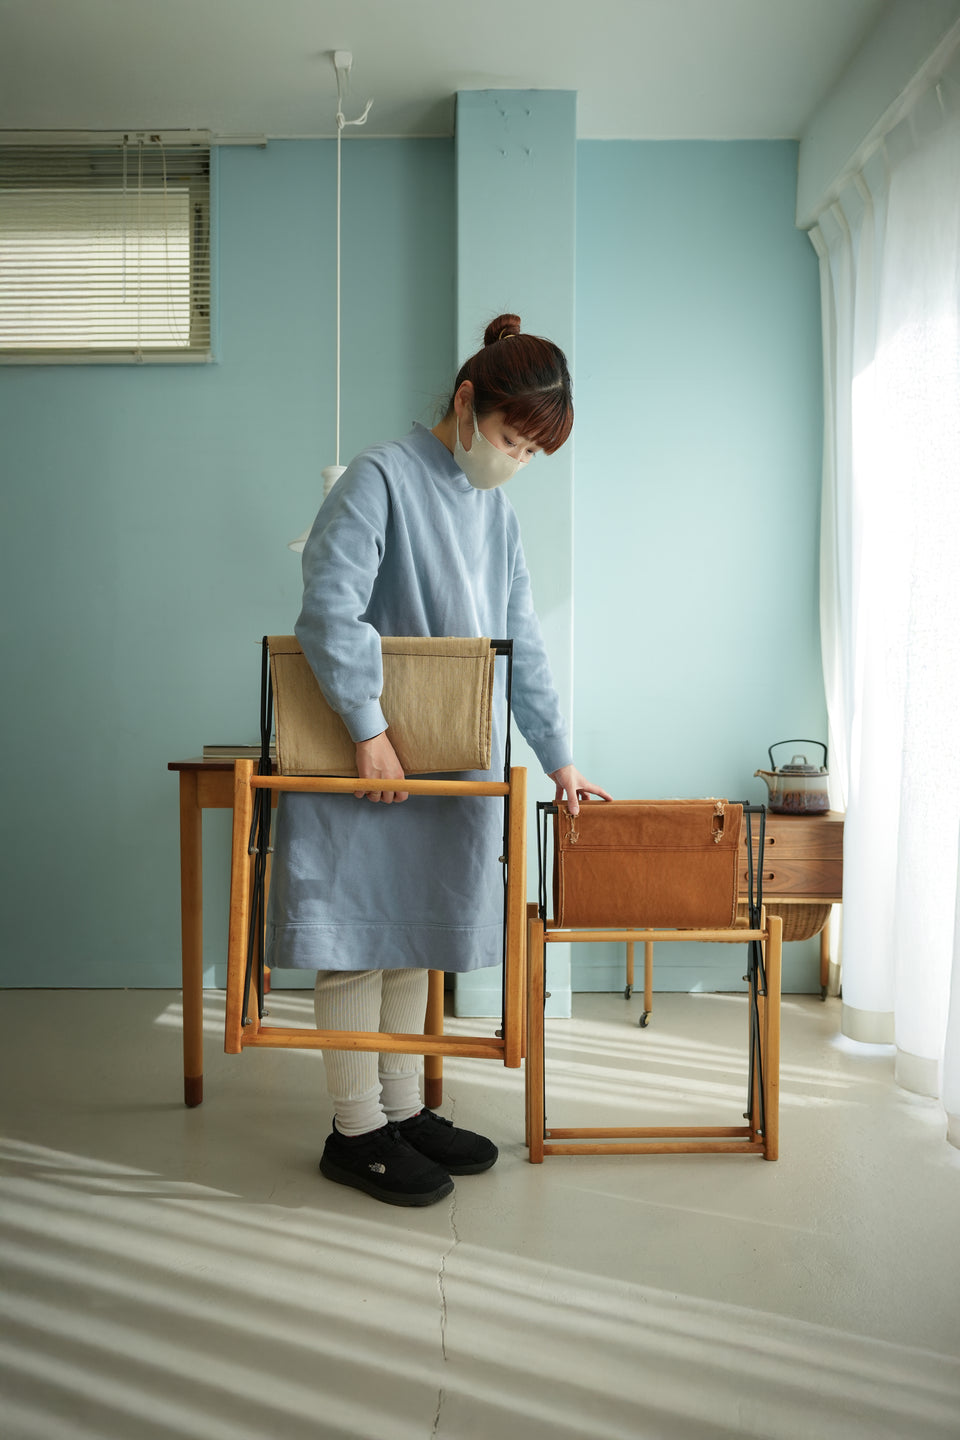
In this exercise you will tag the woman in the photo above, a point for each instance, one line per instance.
(416, 538)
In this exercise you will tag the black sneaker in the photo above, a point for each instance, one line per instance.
(460, 1152)
(384, 1165)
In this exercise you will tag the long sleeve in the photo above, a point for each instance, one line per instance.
(341, 560)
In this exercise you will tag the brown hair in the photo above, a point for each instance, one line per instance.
(526, 377)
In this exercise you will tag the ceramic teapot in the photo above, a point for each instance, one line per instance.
(798, 788)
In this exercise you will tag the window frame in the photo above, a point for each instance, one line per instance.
(199, 180)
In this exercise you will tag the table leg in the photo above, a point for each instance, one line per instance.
(191, 936)
(647, 981)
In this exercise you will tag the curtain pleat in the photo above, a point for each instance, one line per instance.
(889, 251)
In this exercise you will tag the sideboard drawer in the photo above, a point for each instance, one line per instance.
(800, 878)
(817, 836)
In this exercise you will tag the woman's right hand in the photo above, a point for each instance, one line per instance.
(377, 760)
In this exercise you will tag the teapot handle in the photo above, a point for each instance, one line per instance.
(777, 743)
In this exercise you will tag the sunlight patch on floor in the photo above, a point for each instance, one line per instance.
(139, 1308)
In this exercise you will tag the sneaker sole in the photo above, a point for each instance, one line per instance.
(331, 1171)
(477, 1168)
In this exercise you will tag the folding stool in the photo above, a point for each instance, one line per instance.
(254, 787)
(762, 935)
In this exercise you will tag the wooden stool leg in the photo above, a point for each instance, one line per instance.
(266, 901)
(771, 1039)
(191, 936)
(240, 903)
(535, 1041)
(433, 1064)
(516, 916)
(533, 910)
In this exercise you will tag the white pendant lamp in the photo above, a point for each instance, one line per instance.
(342, 63)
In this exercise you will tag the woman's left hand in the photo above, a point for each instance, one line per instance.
(572, 787)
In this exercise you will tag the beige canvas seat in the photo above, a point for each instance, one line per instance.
(437, 693)
(438, 696)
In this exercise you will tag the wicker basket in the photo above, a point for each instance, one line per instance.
(800, 922)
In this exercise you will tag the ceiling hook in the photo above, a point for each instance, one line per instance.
(343, 64)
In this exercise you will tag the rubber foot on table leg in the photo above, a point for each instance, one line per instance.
(192, 1090)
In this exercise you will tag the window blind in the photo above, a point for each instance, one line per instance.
(105, 250)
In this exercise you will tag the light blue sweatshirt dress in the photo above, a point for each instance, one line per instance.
(404, 545)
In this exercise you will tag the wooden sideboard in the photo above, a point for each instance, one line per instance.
(802, 866)
(802, 881)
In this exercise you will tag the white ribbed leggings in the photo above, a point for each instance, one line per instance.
(368, 1089)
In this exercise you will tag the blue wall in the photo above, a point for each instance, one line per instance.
(697, 494)
(147, 511)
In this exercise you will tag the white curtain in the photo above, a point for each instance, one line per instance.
(889, 253)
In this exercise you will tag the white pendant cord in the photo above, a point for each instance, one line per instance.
(342, 62)
(340, 125)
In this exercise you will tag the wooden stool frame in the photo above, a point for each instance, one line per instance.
(763, 937)
(246, 986)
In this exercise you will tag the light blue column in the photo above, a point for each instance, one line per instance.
(516, 252)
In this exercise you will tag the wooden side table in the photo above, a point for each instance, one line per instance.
(802, 867)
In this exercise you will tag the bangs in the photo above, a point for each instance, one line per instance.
(545, 419)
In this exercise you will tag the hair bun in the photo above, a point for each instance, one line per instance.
(500, 328)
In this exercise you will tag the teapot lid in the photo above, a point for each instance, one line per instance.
(799, 764)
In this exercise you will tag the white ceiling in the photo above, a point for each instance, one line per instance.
(657, 69)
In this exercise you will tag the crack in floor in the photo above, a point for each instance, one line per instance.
(442, 1288)
(436, 1419)
(442, 1275)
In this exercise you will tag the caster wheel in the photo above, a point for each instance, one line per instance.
(823, 992)
(628, 992)
(642, 1022)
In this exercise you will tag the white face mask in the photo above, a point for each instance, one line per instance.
(484, 465)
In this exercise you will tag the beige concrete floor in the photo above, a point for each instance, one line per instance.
(188, 1275)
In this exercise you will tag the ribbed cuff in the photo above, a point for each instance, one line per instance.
(552, 752)
(364, 722)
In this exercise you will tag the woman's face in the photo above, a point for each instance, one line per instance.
(505, 437)
(492, 427)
